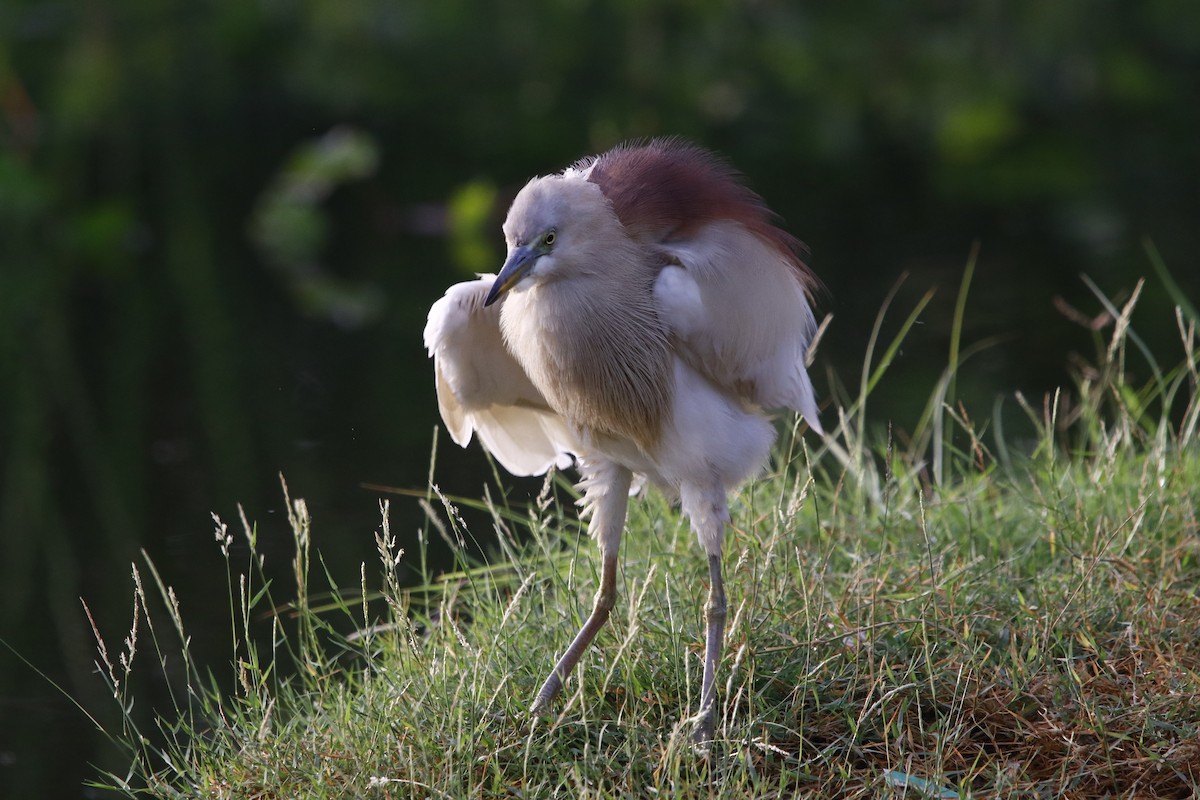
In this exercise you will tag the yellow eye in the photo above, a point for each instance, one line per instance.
(549, 238)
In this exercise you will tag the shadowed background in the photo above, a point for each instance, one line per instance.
(222, 223)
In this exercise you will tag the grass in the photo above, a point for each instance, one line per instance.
(952, 614)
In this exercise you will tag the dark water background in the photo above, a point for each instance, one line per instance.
(221, 225)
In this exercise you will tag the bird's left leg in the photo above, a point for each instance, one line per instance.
(709, 514)
(606, 496)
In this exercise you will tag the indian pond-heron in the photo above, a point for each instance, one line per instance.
(647, 315)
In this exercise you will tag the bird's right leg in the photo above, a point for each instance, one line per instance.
(709, 514)
(606, 495)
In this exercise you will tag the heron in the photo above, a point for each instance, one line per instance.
(649, 316)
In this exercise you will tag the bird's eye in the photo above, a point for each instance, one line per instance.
(549, 238)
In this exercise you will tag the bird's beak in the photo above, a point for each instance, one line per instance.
(519, 260)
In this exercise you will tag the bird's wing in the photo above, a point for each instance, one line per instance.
(482, 388)
(734, 291)
(738, 314)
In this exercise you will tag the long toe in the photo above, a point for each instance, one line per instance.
(703, 735)
(546, 695)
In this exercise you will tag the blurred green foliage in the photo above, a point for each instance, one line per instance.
(470, 222)
(290, 228)
(221, 224)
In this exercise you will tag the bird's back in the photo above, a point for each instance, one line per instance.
(732, 288)
(666, 190)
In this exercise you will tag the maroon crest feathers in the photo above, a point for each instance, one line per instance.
(667, 188)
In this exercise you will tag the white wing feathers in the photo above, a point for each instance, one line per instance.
(481, 387)
(739, 316)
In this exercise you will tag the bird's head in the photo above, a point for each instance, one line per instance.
(552, 224)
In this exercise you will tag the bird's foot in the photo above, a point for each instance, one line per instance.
(546, 695)
(703, 735)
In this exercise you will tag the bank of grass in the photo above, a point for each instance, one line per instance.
(952, 615)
